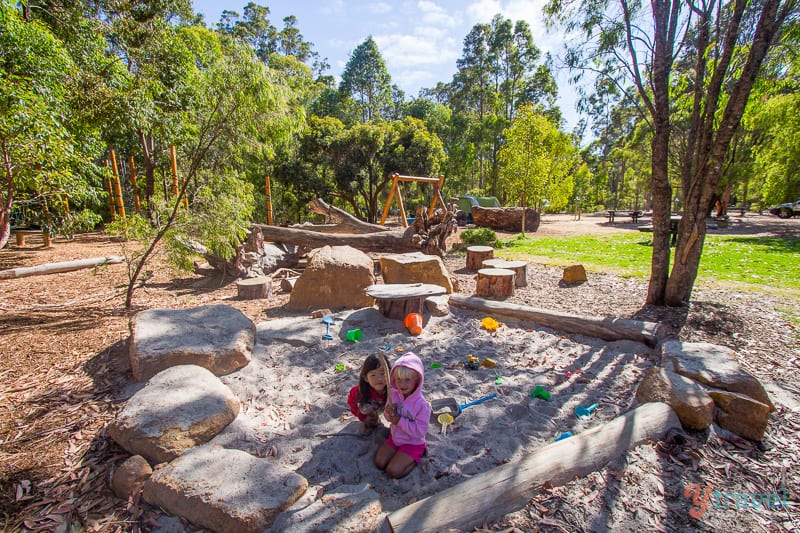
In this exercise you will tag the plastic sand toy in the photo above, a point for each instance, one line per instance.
(540, 392)
(490, 324)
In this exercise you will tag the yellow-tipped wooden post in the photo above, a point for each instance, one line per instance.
(174, 161)
(46, 229)
(110, 190)
(117, 187)
(269, 201)
(137, 205)
(395, 178)
(437, 195)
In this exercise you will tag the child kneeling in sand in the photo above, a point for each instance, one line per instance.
(368, 398)
(409, 414)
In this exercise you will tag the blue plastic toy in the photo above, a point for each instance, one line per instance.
(585, 412)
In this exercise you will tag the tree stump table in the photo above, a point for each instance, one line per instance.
(520, 269)
(254, 288)
(396, 300)
(495, 283)
(476, 255)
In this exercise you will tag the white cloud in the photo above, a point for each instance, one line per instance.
(433, 14)
(334, 7)
(410, 50)
(482, 11)
(380, 8)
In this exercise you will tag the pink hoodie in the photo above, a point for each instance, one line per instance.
(414, 411)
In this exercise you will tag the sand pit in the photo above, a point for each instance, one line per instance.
(295, 410)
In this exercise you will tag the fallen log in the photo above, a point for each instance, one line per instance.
(345, 222)
(55, 268)
(393, 241)
(505, 218)
(606, 328)
(488, 496)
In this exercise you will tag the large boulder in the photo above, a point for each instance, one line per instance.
(415, 267)
(179, 408)
(741, 414)
(335, 277)
(217, 337)
(691, 403)
(224, 490)
(712, 365)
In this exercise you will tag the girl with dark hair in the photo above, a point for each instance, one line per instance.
(368, 399)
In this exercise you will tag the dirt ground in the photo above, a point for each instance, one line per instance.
(63, 361)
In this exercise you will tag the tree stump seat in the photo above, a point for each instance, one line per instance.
(396, 300)
(254, 288)
(520, 269)
(476, 255)
(495, 283)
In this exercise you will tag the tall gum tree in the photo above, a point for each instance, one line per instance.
(637, 43)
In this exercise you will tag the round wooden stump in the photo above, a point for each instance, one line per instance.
(476, 255)
(495, 283)
(254, 288)
(398, 299)
(520, 269)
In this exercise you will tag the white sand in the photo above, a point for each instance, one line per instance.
(295, 409)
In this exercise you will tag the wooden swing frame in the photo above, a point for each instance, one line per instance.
(395, 190)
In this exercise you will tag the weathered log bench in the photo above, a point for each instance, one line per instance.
(398, 299)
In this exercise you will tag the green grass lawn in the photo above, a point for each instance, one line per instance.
(766, 264)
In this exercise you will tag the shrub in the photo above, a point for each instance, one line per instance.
(480, 236)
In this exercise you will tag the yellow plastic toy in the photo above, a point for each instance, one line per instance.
(490, 324)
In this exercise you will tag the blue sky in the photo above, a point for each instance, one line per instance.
(420, 40)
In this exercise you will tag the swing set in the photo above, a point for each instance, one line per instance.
(395, 191)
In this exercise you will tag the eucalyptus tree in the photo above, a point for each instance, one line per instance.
(778, 154)
(537, 162)
(500, 69)
(635, 44)
(365, 156)
(41, 154)
(239, 106)
(367, 82)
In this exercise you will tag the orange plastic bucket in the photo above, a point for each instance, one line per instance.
(413, 323)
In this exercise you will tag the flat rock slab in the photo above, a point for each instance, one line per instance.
(217, 337)
(179, 408)
(712, 365)
(224, 490)
(346, 508)
(390, 291)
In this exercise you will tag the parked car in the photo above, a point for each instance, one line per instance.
(465, 203)
(786, 210)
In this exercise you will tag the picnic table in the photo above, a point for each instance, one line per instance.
(673, 228)
(611, 214)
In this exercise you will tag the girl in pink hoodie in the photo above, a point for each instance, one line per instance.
(409, 415)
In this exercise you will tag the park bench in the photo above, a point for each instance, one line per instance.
(611, 214)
